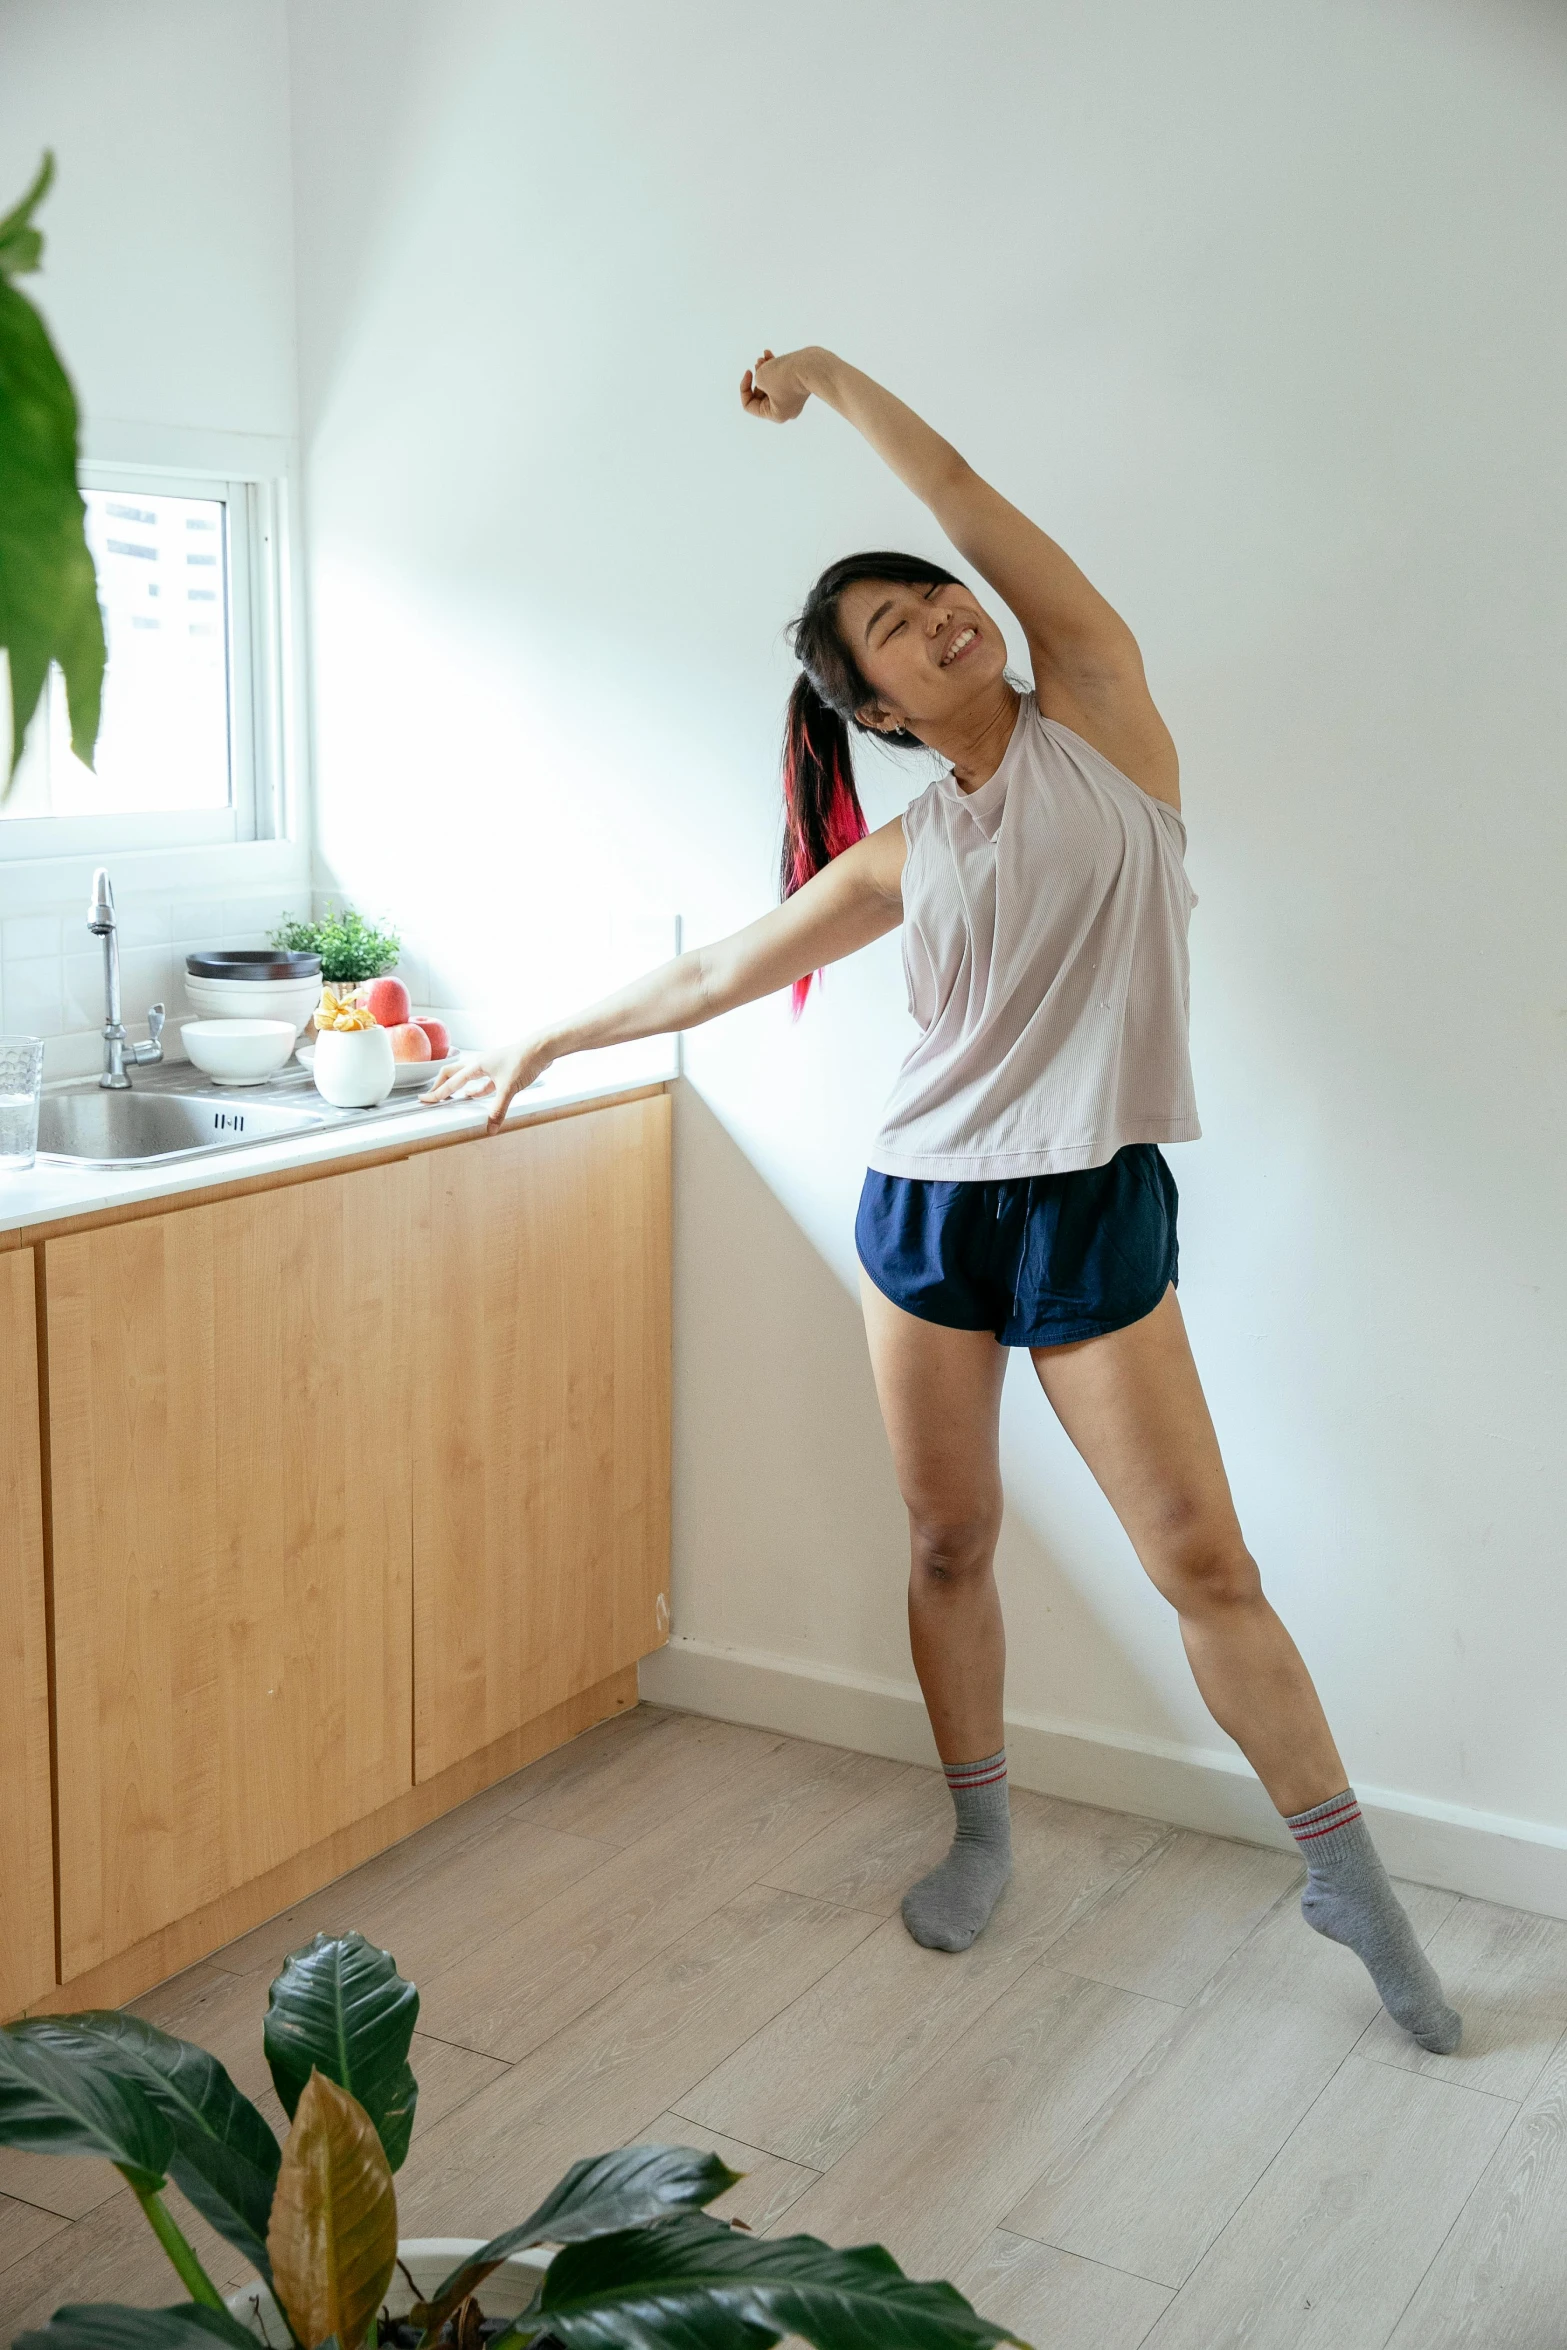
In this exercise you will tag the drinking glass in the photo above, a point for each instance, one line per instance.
(21, 1076)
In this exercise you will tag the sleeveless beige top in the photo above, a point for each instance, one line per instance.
(1044, 945)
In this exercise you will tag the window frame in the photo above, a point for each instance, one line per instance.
(255, 510)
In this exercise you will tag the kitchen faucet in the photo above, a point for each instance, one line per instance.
(116, 1050)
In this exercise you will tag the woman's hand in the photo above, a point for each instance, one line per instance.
(777, 389)
(503, 1071)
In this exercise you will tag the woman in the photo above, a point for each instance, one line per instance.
(1017, 1195)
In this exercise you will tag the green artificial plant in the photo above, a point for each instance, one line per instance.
(641, 2264)
(351, 949)
(48, 588)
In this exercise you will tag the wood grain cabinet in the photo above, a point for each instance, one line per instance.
(541, 1442)
(355, 1498)
(26, 1831)
(230, 1425)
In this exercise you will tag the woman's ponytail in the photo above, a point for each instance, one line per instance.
(822, 812)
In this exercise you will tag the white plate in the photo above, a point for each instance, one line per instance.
(411, 1075)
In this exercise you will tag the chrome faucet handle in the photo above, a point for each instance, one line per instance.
(152, 1050)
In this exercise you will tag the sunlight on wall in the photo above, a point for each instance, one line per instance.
(1261, 311)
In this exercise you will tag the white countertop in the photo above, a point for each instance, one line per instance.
(48, 1192)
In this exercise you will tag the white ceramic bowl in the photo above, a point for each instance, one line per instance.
(253, 999)
(238, 1052)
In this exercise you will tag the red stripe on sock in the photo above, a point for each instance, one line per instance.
(1304, 1835)
(989, 1780)
(1341, 1803)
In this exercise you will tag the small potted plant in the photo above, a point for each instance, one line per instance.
(637, 2260)
(351, 949)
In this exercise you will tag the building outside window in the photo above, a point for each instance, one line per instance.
(189, 749)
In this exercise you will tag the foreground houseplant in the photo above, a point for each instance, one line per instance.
(643, 2266)
(48, 588)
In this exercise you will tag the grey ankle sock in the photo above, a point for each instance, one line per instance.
(1348, 1898)
(947, 1909)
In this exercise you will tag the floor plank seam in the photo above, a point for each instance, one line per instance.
(1392, 2065)
(762, 2153)
(768, 1884)
(1160, 2283)
(466, 2048)
(1220, 2232)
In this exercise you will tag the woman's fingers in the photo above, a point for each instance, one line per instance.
(457, 1083)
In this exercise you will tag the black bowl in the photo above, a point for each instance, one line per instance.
(252, 963)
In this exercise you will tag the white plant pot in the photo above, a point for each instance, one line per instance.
(354, 1068)
(427, 2259)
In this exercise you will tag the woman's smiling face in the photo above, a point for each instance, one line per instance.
(926, 651)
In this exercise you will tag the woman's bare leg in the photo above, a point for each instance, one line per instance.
(940, 1394)
(1133, 1405)
(941, 1399)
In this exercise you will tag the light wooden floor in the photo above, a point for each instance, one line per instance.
(1148, 2107)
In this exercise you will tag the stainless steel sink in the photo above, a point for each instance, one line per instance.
(100, 1129)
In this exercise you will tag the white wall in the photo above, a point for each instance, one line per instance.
(1260, 308)
(168, 287)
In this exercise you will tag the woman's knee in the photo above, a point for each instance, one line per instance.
(1201, 1566)
(948, 1550)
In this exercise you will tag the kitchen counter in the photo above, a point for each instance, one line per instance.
(49, 1192)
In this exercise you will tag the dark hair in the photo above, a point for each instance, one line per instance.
(822, 812)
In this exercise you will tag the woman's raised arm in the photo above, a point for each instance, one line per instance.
(856, 898)
(1087, 667)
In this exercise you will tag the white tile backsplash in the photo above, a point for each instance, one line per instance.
(33, 997)
(51, 967)
(26, 935)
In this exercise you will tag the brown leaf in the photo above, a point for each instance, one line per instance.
(333, 2234)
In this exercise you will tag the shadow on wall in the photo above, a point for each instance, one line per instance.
(790, 1540)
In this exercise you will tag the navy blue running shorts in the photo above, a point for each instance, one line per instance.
(1041, 1260)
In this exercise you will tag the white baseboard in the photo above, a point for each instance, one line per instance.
(1518, 1862)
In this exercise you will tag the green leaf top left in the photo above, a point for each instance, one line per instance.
(22, 245)
(52, 2104)
(48, 589)
(223, 2156)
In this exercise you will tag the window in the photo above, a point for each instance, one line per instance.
(188, 751)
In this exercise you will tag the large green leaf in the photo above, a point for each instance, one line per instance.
(107, 2325)
(224, 2156)
(48, 591)
(53, 2103)
(341, 2008)
(603, 2192)
(333, 2238)
(693, 2284)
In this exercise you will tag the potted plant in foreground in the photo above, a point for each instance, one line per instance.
(639, 2262)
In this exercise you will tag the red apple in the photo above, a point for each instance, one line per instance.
(409, 1042)
(388, 1004)
(440, 1037)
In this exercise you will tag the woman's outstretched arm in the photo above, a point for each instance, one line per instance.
(856, 898)
(1087, 666)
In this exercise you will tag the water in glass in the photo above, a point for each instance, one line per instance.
(21, 1071)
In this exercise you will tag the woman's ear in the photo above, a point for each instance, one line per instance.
(876, 720)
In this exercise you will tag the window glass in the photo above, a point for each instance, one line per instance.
(164, 744)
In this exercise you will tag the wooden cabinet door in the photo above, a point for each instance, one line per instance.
(26, 1825)
(541, 1421)
(229, 1422)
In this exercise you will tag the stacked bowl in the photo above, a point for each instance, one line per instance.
(251, 1004)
